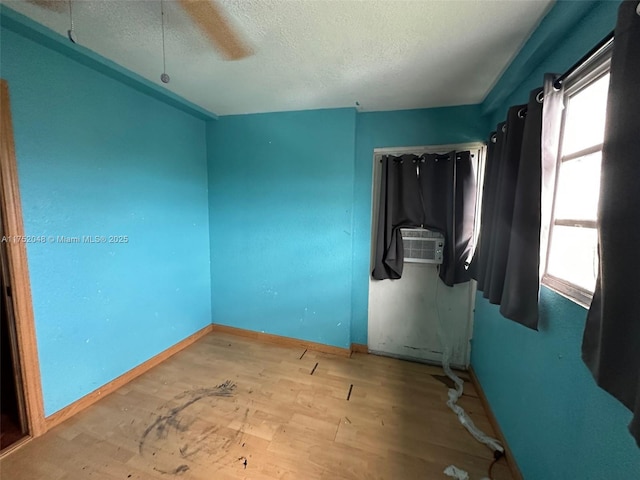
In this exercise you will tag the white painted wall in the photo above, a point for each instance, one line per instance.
(404, 313)
(404, 316)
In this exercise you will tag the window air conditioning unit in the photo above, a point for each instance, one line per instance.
(422, 246)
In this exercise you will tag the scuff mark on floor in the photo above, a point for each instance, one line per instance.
(185, 431)
(176, 471)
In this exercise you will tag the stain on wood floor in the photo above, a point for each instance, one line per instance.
(234, 408)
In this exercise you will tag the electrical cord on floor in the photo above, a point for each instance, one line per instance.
(497, 455)
(454, 394)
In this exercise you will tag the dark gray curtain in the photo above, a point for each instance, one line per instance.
(519, 299)
(532, 204)
(433, 191)
(611, 343)
(480, 265)
(465, 217)
(516, 204)
(502, 208)
(506, 263)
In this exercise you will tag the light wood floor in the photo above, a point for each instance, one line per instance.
(233, 408)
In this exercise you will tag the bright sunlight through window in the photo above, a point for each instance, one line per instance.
(572, 261)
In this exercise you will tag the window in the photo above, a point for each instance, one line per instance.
(572, 256)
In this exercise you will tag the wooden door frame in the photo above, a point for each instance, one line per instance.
(19, 271)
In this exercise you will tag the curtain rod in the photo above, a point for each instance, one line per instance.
(417, 150)
(439, 156)
(599, 48)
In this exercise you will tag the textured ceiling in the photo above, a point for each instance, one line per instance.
(386, 55)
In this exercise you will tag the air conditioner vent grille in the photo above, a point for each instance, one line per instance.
(422, 246)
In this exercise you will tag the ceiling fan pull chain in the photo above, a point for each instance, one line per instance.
(164, 77)
(70, 33)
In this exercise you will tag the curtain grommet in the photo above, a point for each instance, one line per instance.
(540, 96)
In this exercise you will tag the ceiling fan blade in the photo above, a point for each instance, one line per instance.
(55, 5)
(208, 17)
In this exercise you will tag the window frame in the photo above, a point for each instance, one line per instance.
(586, 75)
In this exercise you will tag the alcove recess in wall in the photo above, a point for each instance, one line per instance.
(404, 314)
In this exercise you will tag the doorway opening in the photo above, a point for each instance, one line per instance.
(13, 425)
(21, 402)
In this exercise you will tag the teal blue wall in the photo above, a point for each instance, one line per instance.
(290, 213)
(97, 157)
(435, 126)
(280, 195)
(558, 423)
